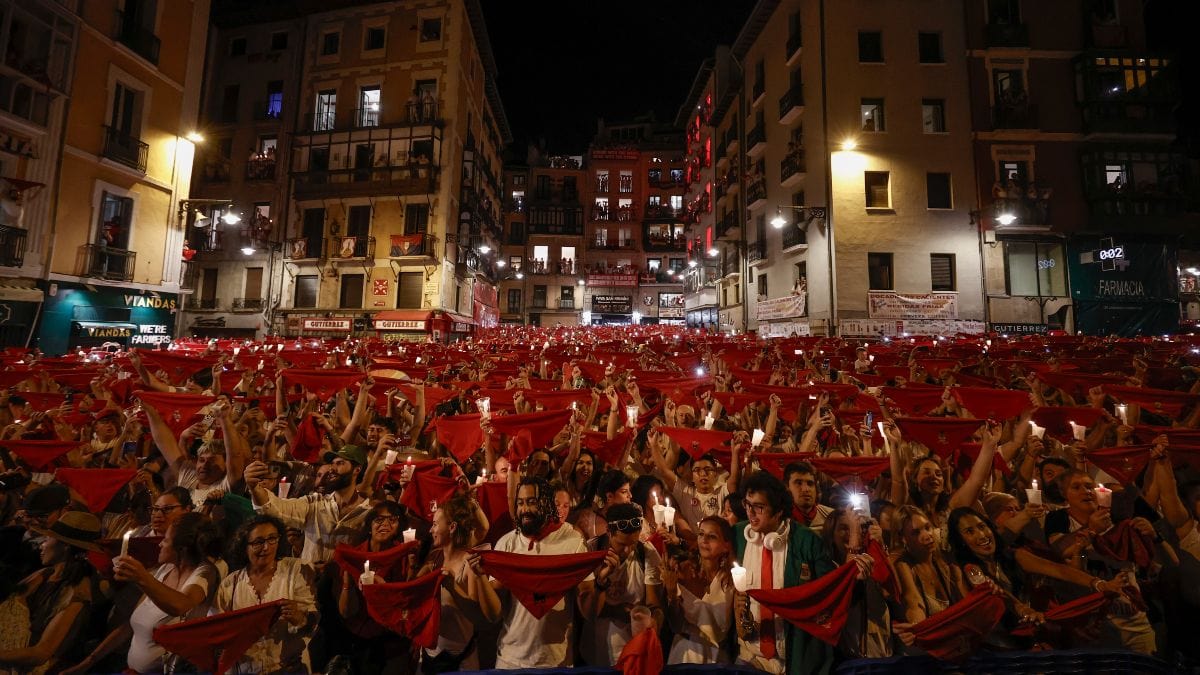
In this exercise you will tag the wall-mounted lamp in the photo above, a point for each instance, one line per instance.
(811, 213)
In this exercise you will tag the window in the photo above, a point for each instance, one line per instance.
(358, 225)
(431, 30)
(937, 187)
(879, 271)
(1004, 11)
(307, 286)
(542, 189)
(878, 190)
(566, 297)
(237, 46)
(518, 180)
(601, 181)
(871, 110)
(116, 217)
(933, 115)
(409, 289)
(279, 41)
(514, 300)
(1116, 176)
(870, 46)
(539, 297)
(570, 189)
(762, 285)
(352, 291)
(1035, 269)
(253, 288)
(416, 218)
(514, 261)
(331, 42)
(229, 103)
(325, 111)
(941, 272)
(626, 181)
(374, 38)
(368, 106)
(1013, 172)
(760, 79)
(929, 48)
(274, 98)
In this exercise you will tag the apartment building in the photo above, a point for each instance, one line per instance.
(839, 172)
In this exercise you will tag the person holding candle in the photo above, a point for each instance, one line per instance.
(776, 553)
(648, 492)
(702, 495)
(181, 587)
(699, 595)
(265, 574)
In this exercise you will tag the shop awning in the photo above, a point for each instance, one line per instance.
(460, 323)
(20, 294)
(105, 324)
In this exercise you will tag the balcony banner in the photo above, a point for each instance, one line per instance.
(611, 280)
(1124, 285)
(787, 307)
(404, 244)
(892, 305)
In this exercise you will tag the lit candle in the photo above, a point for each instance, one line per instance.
(708, 421)
(757, 439)
(857, 501)
(740, 582)
(1078, 431)
(668, 515)
(368, 577)
(484, 405)
(1103, 496)
(284, 487)
(410, 535)
(798, 352)
(237, 350)
(871, 358)
(260, 364)
(699, 372)
(631, 415)
(1033, 494)
(1038, 432)
(125, 542)
(481, 478)
(1123, 413)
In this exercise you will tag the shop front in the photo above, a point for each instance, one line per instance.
(1124, 285)
(612, 310)
(18, 312)
(77, 316)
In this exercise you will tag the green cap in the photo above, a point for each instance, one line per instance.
(351, 453)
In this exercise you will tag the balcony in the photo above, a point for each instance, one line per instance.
(12, 246)
(756, 141)
(791, 104)
(657, 243)
(728, 225)
(420, 245)
(202, 304)
(260, 168)
(555, 220)
(351, 248)
(1128, 117)
(105, 262)
(731, 140)
(598, 245)
(1015, 116)
(794, 238)
(366, 117)
(140, 39)
(566, 303)
(756, 193)
(409, 179)
(756, 253)
(541, 267)
(215, 171)
(370, 117)
(248, 305)
(792, 48)
(206, 240)
(658, 277)
(125, 149)
(662, 212)
(303, 248)
(268, 110)
(537, 303)
(1007, 35)
(792, 169)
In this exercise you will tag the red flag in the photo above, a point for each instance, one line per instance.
(1070, 612)
(39, 454)
(434, 396)
(542, 426)
(142, 549)
(955, 632)
(96, 486)
(819, 607)
(1123, 463)
(351, 558)
(642, 655)
(493, 499)
(1124, 542)
(306, 444)
(696, 442)
(942, 435)
(1158, 401)
(424, 490)
(540, 581)
(998, 404)
(866, 468)
(11, 378)
(461, 435)
(881, 571)
(324, 383)
(410, 608)
(230, 634)
(177, 410)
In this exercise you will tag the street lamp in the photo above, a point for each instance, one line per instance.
(779, 221)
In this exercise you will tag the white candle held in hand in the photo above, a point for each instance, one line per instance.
(1123, 413)
(1103, 496)
(1078, 431)
(368, 577)
(631, 415)
(740, 582)
(1033, 494)
(125, 542)
(410, 535)
(708, 421)
(284, 487)
(757, 438)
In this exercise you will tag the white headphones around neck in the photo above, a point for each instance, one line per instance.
(775, 541)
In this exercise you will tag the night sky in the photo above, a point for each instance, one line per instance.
(566, 63)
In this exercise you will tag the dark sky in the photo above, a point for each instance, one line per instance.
(565, 63)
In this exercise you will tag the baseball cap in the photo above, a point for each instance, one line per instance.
(351, 453)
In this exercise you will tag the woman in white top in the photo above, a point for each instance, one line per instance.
(181, 587)
(700, 597)
(265, 575)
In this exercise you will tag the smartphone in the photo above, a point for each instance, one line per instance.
(869, 421)
(274, 469)
(254, 403)
(825, 365)
(129, 448)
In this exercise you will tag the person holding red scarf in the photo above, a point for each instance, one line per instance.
(631, 576)
(801, 480)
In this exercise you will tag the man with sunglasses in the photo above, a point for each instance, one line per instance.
(630, 576)
(777, 552)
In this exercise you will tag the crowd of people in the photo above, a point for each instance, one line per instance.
(632, 497)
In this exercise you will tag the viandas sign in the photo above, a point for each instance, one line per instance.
(1124, 284)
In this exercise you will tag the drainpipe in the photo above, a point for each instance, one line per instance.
(831, 327)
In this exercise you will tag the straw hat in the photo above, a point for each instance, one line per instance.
(76, 528)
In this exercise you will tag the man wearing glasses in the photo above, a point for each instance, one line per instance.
(703, 496)
(168, 508)
(777, 553)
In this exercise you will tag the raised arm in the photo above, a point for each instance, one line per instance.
(968, 492)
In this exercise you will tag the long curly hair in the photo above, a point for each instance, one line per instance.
(237, 556)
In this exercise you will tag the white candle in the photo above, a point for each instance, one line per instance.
(871, 358)
(1038, 432)
(485, 407)
(857, 501)
(389, 457)
(757, 438)
(1033, 494)
(481, 478)
(368, 577)
(631, 415)
(237, 350)
(1123, 413)
(284, 487)
(1103, 496)
(798, 352)
(739, 577)
(410, 535)
(659, 514)
(1078, 431)
(668, 515)
(708, 421)
(125, 542)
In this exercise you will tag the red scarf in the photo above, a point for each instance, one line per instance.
(882, 572)
(43, 402)
(942, 435)
(971, 451)
(819, 607)
(1077, 384)
(1158, 401)
(176, 410)
(1124, 463)
(411, 608)
(1124, 542)
(997, 404)
(561, 400)
(39, 454)
(230, 634)
(351, 558)
(915, 400)
(697, 442)
(306, 444)
(839, 468)
(461, 435)
(954, 633)
(11, 378)
(301, 359)
(539, 582)
(493, 499)
(425, 488)
(642, 655)
(324, 383)
(434, 396)
(1073, 612)
(97, 487)
(542, 426)
(179, 365)
(607, 451)
(750, 376)
(776, 462)
(1057, 420)
(142, 549)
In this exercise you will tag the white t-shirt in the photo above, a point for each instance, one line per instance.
(185, 477)
(627, 586)
(145, 655)
(526, 642)
(696, 506)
